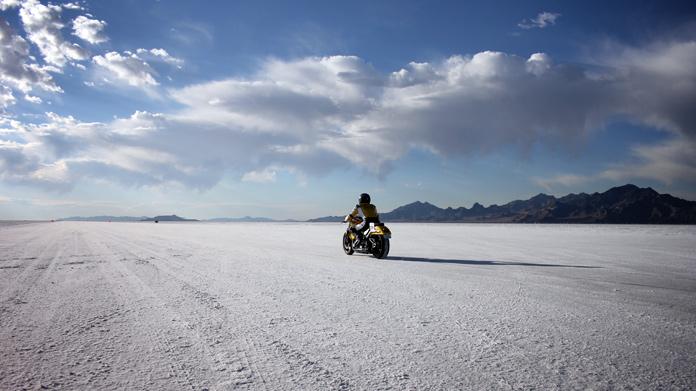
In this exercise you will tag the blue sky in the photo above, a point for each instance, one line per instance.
(291, 109)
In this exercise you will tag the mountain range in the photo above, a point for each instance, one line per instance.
(245, 219)
(167, 218)
(628, 204)
(103, 218)
(126, 218)
(248, 219)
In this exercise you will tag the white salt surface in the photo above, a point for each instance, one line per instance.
(279, 306)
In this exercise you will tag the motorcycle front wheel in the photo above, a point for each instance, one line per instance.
(347, 244)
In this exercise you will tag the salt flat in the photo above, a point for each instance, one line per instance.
(279, 306)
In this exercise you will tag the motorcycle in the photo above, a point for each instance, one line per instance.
(375, 241)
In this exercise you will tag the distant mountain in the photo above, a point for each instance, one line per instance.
(172, 218)
(103, 218)
(126, 218)
(246, 219)
(239, 219)
(627, 204)
(167, 218)
(327, 219)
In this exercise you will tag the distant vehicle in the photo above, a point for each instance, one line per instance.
(375, 242)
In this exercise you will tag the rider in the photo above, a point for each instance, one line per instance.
(369, 214)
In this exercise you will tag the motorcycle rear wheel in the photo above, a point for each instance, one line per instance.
(347, 245)
(382, 249)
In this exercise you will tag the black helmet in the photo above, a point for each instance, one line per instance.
(364, 198)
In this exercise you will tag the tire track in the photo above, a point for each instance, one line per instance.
(193, 305)
(21, 286)
(265, 347)
(31, 342)
(167, 339)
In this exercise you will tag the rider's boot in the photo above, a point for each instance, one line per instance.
(357, 239)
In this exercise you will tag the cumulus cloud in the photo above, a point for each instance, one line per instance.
(134, 69)
(33, 99)
(72, 6)
(312, 115)
(414, 73)
(6, 97)
(267, 175)
(89, 30)
(7, 4)
(563, 180)
(470, 105)
(59, 151)
(542, 20)
(300, 97)
(159, 54)
(657, 84)
(668, 162)
(538, 64)
(17, 69)
(127, 67)
(16, 163)
(43, 25)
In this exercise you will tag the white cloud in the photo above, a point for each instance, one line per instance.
(470, 105)
(134, 68)
(15, 162)
(89, 30)
(7, 4)
(191, 34)
(17, 69)
(43, 25)
(267, 175)
(128, 68)
(415, 73)
(6, 97)
(159, 55)
(54, 173)
(33, 99)
(299, 98)
(72, 6)
(542, 20)
(564, 180)
(538, 64)
(312, 115)
(668, 162)
(140, 123)
(62, 150)
(657, 83)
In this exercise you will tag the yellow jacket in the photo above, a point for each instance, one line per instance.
(368, 211)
